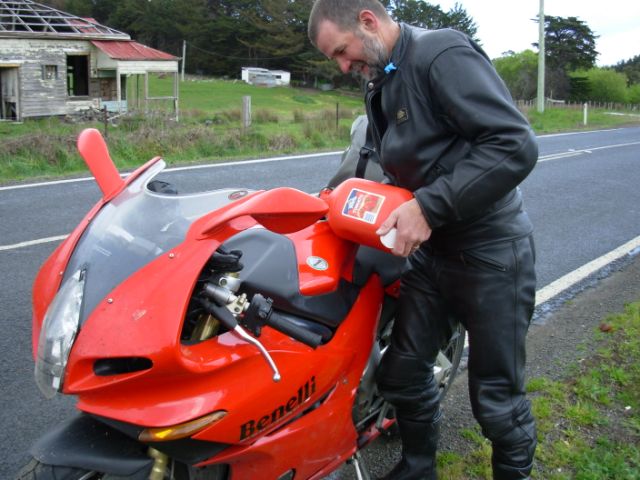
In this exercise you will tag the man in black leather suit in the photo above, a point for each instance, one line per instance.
(445, 127)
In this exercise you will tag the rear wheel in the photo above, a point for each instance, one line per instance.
(35, 470)
(448, 360)
(369, 404)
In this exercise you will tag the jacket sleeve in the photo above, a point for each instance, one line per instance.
(475, 104)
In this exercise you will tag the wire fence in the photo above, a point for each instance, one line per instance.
(549, 103)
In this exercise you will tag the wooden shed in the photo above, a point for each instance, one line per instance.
(55, 63)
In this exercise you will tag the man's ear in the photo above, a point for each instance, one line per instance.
(368, 21)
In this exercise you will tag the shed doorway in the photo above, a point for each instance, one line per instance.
(78, 75)
(9, 93)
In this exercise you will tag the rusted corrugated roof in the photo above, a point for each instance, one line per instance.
(130, 50)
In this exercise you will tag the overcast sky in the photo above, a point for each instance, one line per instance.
(505, 25)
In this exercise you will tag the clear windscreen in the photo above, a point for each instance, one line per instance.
(133, 229)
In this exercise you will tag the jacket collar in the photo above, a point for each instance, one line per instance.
(399, 49)
(395, 60)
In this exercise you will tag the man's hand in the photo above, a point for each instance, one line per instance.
(411, 225)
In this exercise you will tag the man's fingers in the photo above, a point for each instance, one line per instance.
(388, 224)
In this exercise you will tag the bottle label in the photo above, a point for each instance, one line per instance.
(363, 206)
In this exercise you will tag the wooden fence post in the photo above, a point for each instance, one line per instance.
(105, 120)
(584, 114)
(246, 112)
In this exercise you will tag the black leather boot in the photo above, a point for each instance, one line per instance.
(513, 452)
(513, 463)
(419, 444)
(506, 472)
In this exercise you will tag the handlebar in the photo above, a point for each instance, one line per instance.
(296, 332)
(260, 313)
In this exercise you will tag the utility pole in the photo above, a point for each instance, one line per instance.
(540, 102)
(184, 55)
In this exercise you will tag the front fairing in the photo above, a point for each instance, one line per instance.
(116, 239)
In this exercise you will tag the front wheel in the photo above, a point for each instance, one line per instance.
(35, 470)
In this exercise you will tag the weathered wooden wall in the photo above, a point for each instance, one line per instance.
(40, 96)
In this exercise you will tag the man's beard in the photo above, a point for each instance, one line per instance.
(376, 55)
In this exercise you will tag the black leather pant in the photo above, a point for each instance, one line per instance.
(491, 290)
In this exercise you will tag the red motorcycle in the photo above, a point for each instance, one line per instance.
(231, 334)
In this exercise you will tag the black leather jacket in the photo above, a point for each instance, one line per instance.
(446, 128)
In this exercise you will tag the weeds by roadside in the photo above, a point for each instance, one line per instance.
(588, 421)
(51, 149)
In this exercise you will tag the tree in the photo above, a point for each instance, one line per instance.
(224, 35)
(278, 30)
(519, 72)
(81, 8)
(631, 68)
(458, 18)
(417, 13)
(426, 15)
(569, 45)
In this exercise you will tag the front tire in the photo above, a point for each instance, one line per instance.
(35, 470)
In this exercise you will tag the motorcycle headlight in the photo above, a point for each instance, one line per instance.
(58, 333)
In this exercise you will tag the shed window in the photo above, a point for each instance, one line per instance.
(49, 72)
(77, 75)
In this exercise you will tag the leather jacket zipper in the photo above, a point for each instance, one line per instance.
(377, 135)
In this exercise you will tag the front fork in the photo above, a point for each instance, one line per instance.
(160, 463)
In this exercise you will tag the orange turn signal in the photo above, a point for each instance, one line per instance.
(182, 430)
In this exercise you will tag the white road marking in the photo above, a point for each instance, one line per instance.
(32, 242)
(573, 152)
(563, 283)
(174, 169)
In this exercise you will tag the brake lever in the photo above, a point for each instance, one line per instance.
(229, 321)
(242, 333)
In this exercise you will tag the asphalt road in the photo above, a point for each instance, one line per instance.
(582, 197)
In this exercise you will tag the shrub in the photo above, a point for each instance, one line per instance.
(298, 116)
(265, 116)
(604, 85)
(633, 94)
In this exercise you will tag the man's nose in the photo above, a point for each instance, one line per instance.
(344, 65)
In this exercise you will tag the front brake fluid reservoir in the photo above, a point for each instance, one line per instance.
(357, 208)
